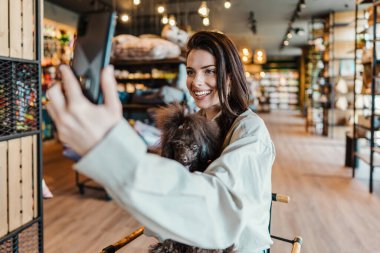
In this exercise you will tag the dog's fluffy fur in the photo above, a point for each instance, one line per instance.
(190, 139)
(193, 141)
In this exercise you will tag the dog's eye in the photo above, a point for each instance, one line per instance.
(194, 147)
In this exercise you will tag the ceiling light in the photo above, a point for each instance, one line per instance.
(302, 4)
(259, 56)
(245, 58)
(298, 10)
(227, 4)
(206, 21)
(203, 10)
(136, 2)
(124, 18)
(289, 35)
(286, 42)
(160, 9)
(245, 51)
(172, 21)
(299, 31)
(165, 19)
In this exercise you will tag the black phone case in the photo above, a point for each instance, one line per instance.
(92, 51)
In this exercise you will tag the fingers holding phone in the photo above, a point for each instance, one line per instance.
(80, 123)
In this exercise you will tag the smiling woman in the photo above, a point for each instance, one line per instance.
(216, 78)
(211, 210)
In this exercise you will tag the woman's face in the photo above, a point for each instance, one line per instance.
(201, 78)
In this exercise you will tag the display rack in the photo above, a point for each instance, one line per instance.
(142, 77)
(318, 87)
(341, 68)
(364, 126)
(58, 49)
(21, 210)
(280, 88)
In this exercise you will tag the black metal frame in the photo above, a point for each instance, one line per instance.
(14, 235)
(84, 184)
(355, 155)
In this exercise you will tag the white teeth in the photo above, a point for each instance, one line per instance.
(201, 93)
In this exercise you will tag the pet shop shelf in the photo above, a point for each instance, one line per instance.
(143, 85)
(366, 120)
(21, 221)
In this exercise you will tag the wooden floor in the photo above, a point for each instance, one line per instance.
(329, 209)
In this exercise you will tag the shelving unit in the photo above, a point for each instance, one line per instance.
(341, 69)
(317, 83)
(136, 78)
(58, 49)
(362, 128)
(281, 88)
(21, 211)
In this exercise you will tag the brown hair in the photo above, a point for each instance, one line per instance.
(234, 98)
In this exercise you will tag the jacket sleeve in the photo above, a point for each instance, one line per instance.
(208, 210)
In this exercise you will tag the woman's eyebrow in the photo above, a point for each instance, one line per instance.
(204, 67)
(207, 66)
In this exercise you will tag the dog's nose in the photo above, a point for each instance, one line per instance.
(184, 159)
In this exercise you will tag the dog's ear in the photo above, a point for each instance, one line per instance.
(167, 150)
(170, 117)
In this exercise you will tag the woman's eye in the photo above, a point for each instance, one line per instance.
(190, 72)
(210, 71)
(194, 147)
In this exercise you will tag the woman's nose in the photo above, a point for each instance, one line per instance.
(198, 79)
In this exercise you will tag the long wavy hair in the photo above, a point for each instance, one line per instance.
(231, 81)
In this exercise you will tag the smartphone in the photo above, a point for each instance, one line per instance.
(92, 51)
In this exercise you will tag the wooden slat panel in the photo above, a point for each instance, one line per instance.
(4, 30)
(15, 28)
(27, 179)
(3, 189)
(35, 176)
(14, 189)
(28, 24)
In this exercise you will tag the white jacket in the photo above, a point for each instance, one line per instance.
(228, 203)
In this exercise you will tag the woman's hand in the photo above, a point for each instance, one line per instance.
(80, 123)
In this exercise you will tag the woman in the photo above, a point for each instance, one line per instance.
(228, 204)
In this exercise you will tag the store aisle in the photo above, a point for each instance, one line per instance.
(329, 209)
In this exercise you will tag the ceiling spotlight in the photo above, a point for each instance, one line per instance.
(245, 58)
(124, 18)
(206, 21)
(203, 9)
(165, 19)
(227, 4)
(245, 51)
(172, 21)
(299, 31)
(302, 4)
(286, 42)
(136, 2)
(160, 9)
(252, 22)
(298, 11)
(289, 35)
